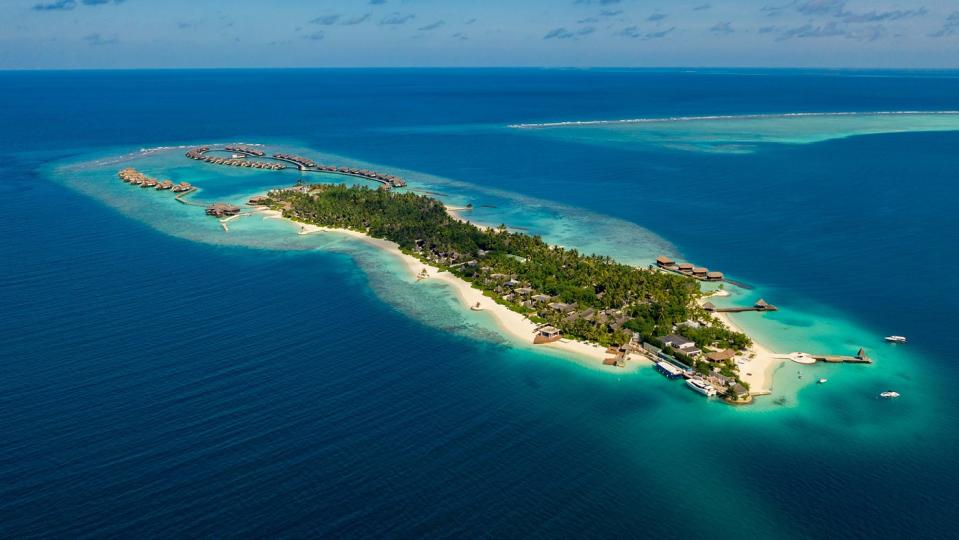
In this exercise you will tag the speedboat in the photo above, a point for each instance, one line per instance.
(889, 394)
(823, 381)
(701, 386)
(895, 339)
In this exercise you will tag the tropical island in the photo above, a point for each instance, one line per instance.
(589, 298)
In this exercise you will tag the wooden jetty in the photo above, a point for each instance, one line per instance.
(760, 305)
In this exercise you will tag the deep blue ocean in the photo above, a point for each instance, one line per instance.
(156, 383)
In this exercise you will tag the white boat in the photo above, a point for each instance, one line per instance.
(895, 339)
(701, 386)
(823, 381)
(888, 394)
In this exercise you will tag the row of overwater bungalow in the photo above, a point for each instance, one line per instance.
(688, 269)
(136, 178)
(200, 155)
(299, 160)
(243, 149)
(387, 179)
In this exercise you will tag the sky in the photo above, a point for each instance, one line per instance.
(95, 34)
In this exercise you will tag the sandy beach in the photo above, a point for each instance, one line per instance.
(513, 324)
(758, 368)
(760, 362)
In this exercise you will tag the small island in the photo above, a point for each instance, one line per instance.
(589, 298)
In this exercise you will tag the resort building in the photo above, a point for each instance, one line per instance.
(547, 334)
(681, 344)
(663, 261)
(720, 356)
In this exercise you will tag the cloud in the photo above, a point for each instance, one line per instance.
(315, 36)
(326, 20)
(58, 5)
(656, 17)
(822, 7)
(610, 12)
(879, 16)
(600, 2)
(471, 21)
(660, 34)
(635, 33)
(65, 5)
(558, 33)
(359, 19)
(830, 29)
(97, 39)
(431, 26)
(585, 31)
(722, 28)
(587, 20)
(869, 33)
(397, 18)
(377, 2)
(768, 29)
(950, 27)
(702, 7)
(460, 36)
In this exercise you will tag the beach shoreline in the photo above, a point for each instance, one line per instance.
(514, 325)
(761, 362)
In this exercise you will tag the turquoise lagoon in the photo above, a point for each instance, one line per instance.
(161, 376)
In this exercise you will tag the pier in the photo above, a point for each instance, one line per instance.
(760, 305)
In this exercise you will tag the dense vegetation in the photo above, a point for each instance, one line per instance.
(590, 297)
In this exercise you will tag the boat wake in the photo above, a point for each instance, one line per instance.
(670, 119)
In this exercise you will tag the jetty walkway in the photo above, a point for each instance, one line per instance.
(760, 305)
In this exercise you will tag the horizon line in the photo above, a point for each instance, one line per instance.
(480, 67)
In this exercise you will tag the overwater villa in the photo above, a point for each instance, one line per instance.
(222, 209)
(243, 149)
(137, 178)
(688, 269)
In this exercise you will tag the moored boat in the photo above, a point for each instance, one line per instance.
(895, 339)
(701, 386)
(823, 380)
(889, 394)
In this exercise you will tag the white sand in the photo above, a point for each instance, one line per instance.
(761, 363)
(510, 322)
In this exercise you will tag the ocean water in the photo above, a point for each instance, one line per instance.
(163, 377)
